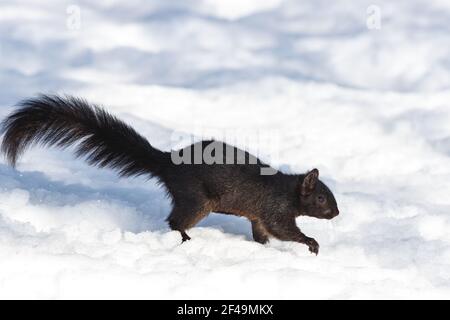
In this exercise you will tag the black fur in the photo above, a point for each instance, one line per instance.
(104, 140)
(270, 202)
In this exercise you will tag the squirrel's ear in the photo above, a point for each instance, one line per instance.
(309, 182)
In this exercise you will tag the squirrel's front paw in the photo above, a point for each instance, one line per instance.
(312, 245)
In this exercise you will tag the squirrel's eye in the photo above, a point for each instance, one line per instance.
(320, 199)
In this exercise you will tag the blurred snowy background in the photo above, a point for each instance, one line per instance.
(359, 89)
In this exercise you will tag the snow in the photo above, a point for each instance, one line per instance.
(368, 107)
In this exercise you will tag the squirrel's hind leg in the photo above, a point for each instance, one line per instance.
(260, 233)
(184, 217)
(184, 236)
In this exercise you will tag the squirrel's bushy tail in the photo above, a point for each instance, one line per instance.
(101, 138)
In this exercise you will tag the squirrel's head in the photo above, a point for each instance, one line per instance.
(316, 200)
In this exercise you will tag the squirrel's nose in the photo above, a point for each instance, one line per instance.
(336, 213)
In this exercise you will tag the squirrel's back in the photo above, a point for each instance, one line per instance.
(105, 141)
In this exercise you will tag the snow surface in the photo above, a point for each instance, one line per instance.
(369, 108)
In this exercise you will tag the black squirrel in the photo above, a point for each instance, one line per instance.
(270, 202)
